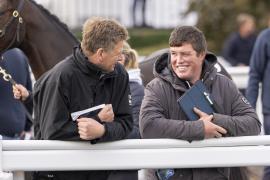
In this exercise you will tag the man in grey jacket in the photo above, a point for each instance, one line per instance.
(175, 72)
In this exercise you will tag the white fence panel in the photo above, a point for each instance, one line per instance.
(135, 154)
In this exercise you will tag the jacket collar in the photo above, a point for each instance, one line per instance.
(89, 68)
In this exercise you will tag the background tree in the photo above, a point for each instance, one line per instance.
(217, 18)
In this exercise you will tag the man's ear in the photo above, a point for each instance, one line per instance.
(100, 54)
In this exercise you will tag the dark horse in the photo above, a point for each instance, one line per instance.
(43, 38)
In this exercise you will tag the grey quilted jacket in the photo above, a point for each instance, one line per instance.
(161, 116)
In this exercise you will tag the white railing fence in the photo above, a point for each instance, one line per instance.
(239, 75)
(48, 155)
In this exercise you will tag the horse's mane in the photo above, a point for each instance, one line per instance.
(54, 17)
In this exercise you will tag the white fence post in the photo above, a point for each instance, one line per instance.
(3, 175)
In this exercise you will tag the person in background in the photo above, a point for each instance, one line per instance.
(89, 77)
(130, 61)
(14, 123)
(162, 117)
(138, 12)
(238, 47)
(259, 72)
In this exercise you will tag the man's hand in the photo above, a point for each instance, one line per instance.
(106, 114)
(90, 129)
(211, 130)
(26, 135)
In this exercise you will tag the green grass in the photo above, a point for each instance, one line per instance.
(146, 41)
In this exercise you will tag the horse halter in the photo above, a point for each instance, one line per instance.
(15, 15)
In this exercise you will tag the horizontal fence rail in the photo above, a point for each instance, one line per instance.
(134, 154)
(239, 76)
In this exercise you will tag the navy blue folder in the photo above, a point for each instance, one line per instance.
(197, 96)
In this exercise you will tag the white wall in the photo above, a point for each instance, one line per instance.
(159, 13)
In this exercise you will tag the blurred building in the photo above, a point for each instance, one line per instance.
(159, 13)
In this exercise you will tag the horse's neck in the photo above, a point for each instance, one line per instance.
(46, 41)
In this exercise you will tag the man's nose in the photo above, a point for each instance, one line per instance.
(179, 58)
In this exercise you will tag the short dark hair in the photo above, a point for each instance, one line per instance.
(188, 34)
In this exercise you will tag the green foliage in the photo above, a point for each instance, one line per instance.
(144, 40)
(217, 18)
(147, 40)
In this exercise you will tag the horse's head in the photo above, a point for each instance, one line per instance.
(12, 29)
(39, 34)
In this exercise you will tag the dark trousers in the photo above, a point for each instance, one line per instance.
(86, 175)
(123, 175)
(142, 5)
(266, 125)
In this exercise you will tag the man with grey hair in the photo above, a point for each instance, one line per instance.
(89, 77)
(161, 116)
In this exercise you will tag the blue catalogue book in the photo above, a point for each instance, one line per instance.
(197, 96)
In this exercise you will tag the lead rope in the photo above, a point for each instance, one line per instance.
(7, 77)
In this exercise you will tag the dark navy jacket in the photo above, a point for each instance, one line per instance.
(260, 72)
(237, 49)
(137, 93)
(12, 112)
